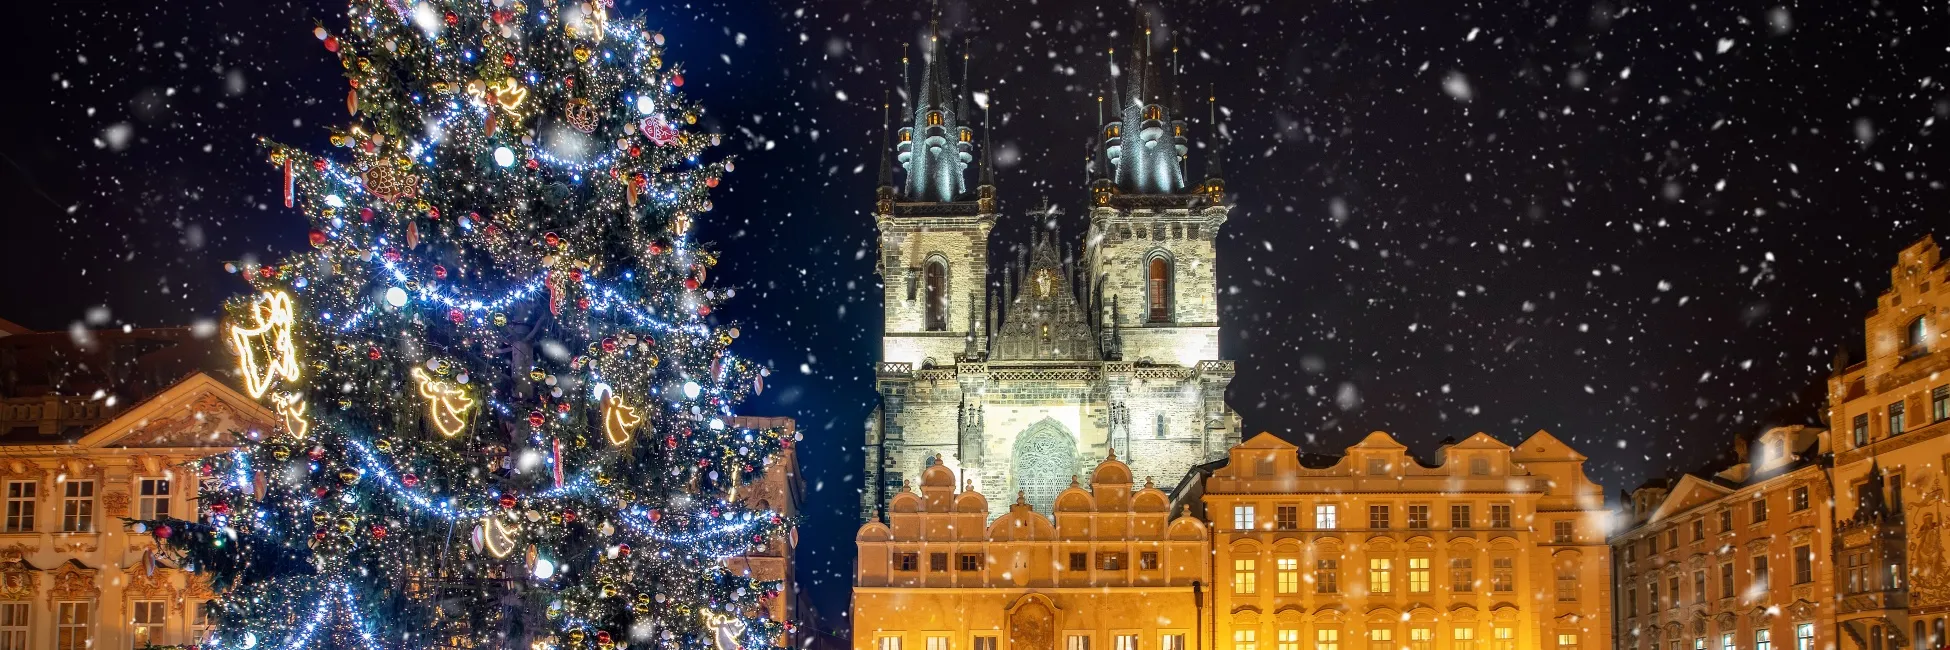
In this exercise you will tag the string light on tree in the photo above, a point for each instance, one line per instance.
(500, 278)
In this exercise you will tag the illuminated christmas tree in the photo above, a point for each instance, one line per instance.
(506, 411)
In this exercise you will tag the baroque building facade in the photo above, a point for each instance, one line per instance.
(1489, 547)
(1016, 380)
(1111, 568)
(1733, 558)
(1891, 414)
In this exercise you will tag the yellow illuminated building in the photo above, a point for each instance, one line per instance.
(1111, 570)
(1737, 558)
(1891, 417)
(1489, 548)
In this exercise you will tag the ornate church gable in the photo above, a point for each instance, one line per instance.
(199, 411)
(1044, 321)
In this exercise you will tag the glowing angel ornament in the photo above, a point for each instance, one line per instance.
(620, 420)
(447, 403)
(291, 407)
(263, 346)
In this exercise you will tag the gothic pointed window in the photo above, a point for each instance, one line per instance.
(1158, 289)
(935, 284)
(934, 119)
(1153, 112)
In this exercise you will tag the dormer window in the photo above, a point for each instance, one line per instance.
(1479, 466)
(934, 118)
(967, 136)
(1153, 112)
(1916, 340)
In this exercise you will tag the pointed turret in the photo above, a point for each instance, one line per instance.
(935, 150)
(1147, 119)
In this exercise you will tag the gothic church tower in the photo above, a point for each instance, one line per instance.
(1079, 350)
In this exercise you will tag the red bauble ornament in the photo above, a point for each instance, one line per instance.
(677, 80)
(568, 516)
(508, 59)
(331, 43)
(266, 271)
(440, 271)
(321, 491)
(410, 480)
(164, 531)
(219, 508)
(206, 469)
(603, 637)
(379, 532)
(501, 16)
(575, 275)
(456, 316)
(452, 19)
(690, 283)
(656, 514)
(365, 215)
(609, 345)
(373, 353)
(318, 164)
(704, 310)
(316, 453)
(670, 442)
(535, 418)
(582, 303)
(552, 239)
(391, 255)
(533, 164)
(711, 182)
(508, 501)
(656, 248)
(493, 230)
(433, 213)
(563, 407)
(623, 550)
(317, 238)
(635, 151)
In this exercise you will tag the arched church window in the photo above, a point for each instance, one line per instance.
(1153, 112)
(1163, 430)
(967, 135)
(934, 119)
(1158, 289)
(1916, 337)
(935, 285)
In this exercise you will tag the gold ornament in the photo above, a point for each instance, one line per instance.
(447, 403)
(264, 350)
(581, 54)
(581, 114)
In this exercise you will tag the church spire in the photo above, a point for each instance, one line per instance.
(1148, 117)
(935, 149)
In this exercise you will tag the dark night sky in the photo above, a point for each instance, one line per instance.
(1645, 227)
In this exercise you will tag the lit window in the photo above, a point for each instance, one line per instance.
(1504, 638)
(1381, 575)
(1763, 639)
(1421, 638)
(1171, 642)
(1381, 638)
(1077, 642)
(1861, 427)
(1726, 641)
(1465, 638)
(1245, 576)
(987, 643)
(1245, 640)
(1327, 640)
(1418, 575)
(1242, 517)
(1916, 337)
(1570, 642)
(1124, 642)
(153, 498)
(1326, 517)
(937, 643)
(1798, 500)
(1289, 639)
(78, 507)
(1289, 574)
(1896, 418)
(1940, 403)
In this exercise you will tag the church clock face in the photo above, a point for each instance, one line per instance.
(1045, 280)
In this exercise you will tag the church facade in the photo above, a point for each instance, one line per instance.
(1020, 373)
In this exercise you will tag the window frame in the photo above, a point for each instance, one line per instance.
(1419, 517)
(155, 628)
(16, 622)
(1462, 574)
(78, 634)
(1420, 576)
(1327, 576)
(1509, 518)
(1463, 522)
(1326, 516)
(1381, 575)
(146, 503)
(23, 505)
(1245, 576)
(78, 510)
(1286, 517)
(1245, 516)
(1380, 516)
(1286, 571)
(1159, 272)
